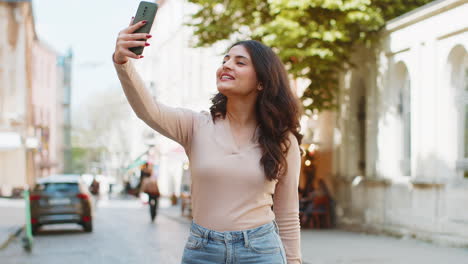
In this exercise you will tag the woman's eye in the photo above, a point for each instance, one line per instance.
(238, 63)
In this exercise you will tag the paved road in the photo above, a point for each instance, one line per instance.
(124, 234)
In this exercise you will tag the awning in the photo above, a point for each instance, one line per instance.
(9, 140)
(135, 163)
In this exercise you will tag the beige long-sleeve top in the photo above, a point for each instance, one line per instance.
(229, 189)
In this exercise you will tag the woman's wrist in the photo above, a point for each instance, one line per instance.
(116, 61)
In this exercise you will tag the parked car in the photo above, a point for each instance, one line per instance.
(61, 199)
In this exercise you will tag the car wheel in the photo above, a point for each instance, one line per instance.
(88, 227)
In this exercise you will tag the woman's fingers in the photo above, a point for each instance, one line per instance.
(131, 44)
(133, 40)
(127, 53)
(127, 39)
(136, 36)
(133, 28)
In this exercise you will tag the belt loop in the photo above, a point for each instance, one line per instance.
(206, 237)
(276, 226)
(246, 239)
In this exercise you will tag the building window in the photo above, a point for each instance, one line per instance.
(404, 112)
(2, 91)
(407, 126)
(466, 132)
(458, 80)
(465, 118)
(362, 135)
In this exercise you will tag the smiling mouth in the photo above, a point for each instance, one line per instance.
(226, 77)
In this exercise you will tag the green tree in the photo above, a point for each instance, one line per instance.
(314, 38)
(85, 158)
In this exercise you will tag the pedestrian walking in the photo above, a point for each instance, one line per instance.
(244, 154)
(94, 189)
(151, 188)
(145, 171)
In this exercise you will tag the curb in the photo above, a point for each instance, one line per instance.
(11, 237)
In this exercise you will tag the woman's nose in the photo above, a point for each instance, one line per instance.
(227, 65)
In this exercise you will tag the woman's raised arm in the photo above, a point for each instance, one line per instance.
(174, 123)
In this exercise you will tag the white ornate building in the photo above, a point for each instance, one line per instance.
(400, 138)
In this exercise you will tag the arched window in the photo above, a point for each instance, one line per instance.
(465, 97)
(362, 131)
(362, 115)
(403, 86)
(458, 62)
(463, 112)
(2, 90)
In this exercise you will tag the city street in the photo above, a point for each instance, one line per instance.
(123, 233)
(352, 115)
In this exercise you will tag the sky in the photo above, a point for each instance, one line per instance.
(89, 28)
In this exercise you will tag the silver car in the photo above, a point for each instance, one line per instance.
(61, 199)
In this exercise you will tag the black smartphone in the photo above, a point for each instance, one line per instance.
(146, 11)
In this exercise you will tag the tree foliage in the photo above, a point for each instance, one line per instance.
(101, 129)
(84, 158)
(314, 38)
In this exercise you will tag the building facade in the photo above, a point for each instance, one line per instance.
(16, 130)
(400, 137)
(29, 88)
(44, 109)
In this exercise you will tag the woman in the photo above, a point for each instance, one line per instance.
(244, 155)
(150, 186)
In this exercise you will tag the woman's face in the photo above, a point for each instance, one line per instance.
(236, 76)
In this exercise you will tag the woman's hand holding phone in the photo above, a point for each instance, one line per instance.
(128, 39)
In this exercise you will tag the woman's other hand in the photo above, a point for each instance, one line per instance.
(127, 39)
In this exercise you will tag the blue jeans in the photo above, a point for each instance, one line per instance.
(261, 245)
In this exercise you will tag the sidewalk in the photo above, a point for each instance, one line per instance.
(14, 217)
(341, 247)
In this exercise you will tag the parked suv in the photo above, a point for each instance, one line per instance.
(60, 199)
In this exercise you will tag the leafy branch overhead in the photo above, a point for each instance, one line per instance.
(314, 38)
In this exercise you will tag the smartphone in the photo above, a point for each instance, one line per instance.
(146, 11)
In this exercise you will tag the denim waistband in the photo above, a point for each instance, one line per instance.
(233, 236)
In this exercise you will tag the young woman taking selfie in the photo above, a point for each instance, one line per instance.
(244, 154)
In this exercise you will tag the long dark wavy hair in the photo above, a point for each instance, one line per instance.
(276, 108)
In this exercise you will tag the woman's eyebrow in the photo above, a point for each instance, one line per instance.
(237, 57)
